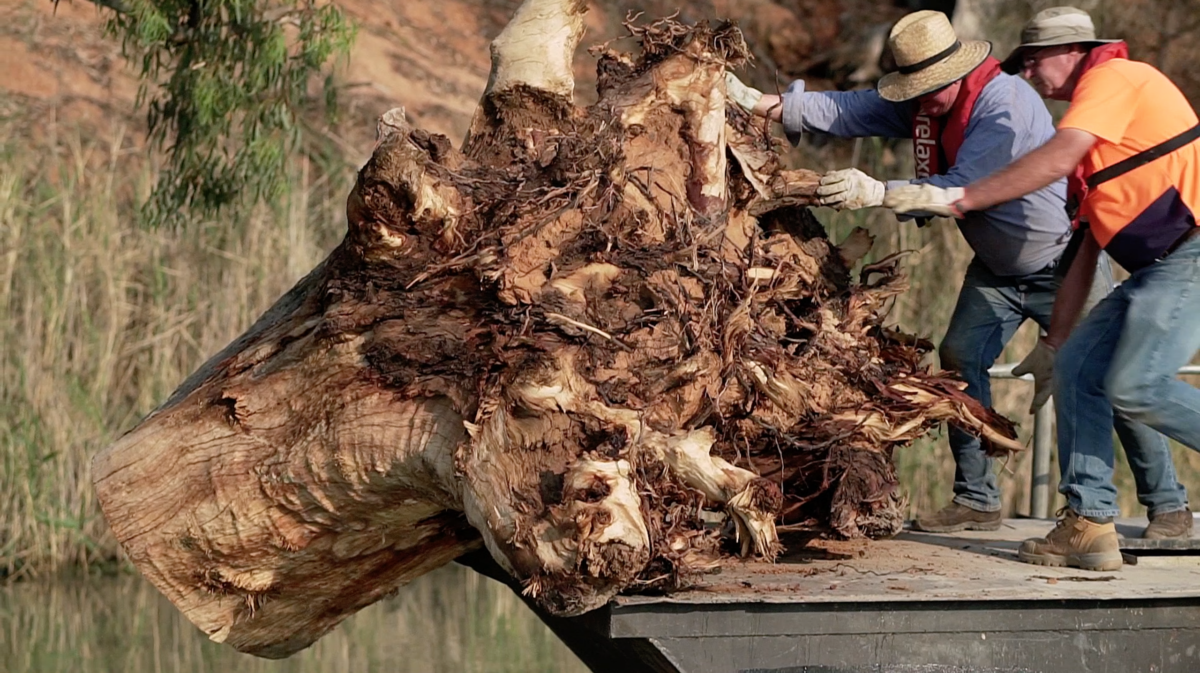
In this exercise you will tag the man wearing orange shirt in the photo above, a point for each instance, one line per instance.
(1130, 134)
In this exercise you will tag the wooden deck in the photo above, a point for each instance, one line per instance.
(966, 566)
(920, 603)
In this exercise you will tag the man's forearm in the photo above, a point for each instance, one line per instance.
(1073, 294)
(1052, 161)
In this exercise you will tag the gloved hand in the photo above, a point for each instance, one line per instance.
(849, 189)
(925, 198)
(1040, 363)
(737, 91)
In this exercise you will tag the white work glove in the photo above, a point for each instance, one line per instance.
(925, 199)
(737, 91)
(849, 189)
(1040, 363)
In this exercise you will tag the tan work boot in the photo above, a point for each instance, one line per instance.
(1075, 542)
(955, 517)
(1170, 526)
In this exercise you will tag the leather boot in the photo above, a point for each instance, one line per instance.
(956, 517)
(1076, 542)
(1170, 526)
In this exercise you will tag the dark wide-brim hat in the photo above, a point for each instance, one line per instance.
(928, 56)
(1057, 25)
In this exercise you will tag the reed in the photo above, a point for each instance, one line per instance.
(102, 319)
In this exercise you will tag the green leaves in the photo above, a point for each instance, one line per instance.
(224, 82)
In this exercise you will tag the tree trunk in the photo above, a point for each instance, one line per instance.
(562, 342)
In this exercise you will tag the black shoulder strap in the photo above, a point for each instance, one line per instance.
(1069, 252)
(1144, 157)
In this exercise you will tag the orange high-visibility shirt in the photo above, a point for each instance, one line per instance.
(1130, 106)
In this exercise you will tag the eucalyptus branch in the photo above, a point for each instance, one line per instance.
(225, 85)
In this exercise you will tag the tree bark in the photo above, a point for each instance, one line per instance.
(562, 342)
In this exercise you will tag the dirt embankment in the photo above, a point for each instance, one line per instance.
(432, 58)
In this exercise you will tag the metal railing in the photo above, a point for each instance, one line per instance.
(1043, 443)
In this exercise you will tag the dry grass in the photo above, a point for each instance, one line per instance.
(102, 319)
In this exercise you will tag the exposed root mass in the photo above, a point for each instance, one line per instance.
(574, 336)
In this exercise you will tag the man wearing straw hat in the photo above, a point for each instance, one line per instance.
(1131, 133)
(966, 119)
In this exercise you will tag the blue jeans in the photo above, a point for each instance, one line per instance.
(990, 309)
(1123, 357)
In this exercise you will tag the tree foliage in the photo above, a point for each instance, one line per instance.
(225, 83)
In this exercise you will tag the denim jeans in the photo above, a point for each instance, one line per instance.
(990, 309)
(1123, 357)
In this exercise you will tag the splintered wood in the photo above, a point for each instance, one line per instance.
(564, 341)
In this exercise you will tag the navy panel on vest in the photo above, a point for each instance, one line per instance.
(1151, 234)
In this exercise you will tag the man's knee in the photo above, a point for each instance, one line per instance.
(1136, 395)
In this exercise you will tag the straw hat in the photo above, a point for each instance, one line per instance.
(928, 56)
(1057, 25)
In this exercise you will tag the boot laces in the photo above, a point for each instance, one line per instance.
(1061, 515)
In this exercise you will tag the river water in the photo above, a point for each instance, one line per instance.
(449, 621)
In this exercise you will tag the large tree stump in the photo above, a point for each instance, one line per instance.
(561, 342)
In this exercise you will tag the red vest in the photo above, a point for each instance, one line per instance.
(936, 140)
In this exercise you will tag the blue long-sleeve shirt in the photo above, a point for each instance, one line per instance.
(1009, 119)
